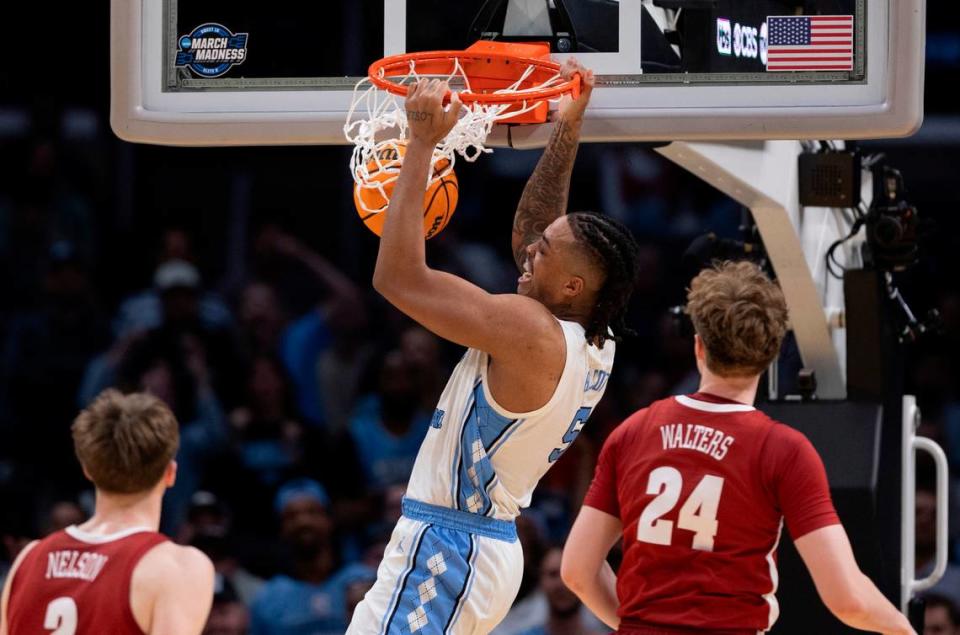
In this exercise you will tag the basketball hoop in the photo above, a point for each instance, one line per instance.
(498, 82)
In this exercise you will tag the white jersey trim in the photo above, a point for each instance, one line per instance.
(707, 406)
(556, 396)
(96, 539)
(771, 597)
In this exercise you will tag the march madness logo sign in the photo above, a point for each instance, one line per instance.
(210, 50)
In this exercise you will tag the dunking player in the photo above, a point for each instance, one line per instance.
(700, 486)
(114, 574)
(538, 362)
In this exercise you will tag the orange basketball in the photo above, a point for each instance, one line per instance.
(438, 203)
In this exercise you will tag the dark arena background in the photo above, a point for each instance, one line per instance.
(236, 284)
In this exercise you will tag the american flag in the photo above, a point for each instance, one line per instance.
(810, 43)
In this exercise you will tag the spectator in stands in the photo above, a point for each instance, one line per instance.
(644, 387)
(228, 615)
(220, 548)
(324, 349)
(926, 540)
(63, 514)
(209, 528)
(379, 529)
(261, 319)
(941, 616)
(421, 349)
(179, 316)
(311, 596)
(550, 608)
(266, 426)
(267, 446)
(562, 489)
(565, 613)
(388, 426)
(356, 589)
(176, 268)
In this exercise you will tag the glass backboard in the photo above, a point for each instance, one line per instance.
(234, 72)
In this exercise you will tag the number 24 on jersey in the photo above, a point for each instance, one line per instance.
(698, 513)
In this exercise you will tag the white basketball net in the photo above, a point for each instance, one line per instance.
(377, 121)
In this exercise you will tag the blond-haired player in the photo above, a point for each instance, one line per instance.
(701, 486)
(114, 573)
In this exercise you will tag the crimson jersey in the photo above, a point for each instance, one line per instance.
(74, 583)
(703, 486)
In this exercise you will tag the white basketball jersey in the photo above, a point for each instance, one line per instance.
(478, 457)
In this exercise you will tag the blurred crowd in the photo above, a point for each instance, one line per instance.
(302, 395)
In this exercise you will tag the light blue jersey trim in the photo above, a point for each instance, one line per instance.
(505, 530)
(491, 423)
(455, 468)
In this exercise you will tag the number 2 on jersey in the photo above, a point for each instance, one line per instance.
(698, 513)
(61, 617)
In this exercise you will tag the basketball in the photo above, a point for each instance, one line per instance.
(438, 204)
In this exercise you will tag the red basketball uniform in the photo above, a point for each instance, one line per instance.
(74, 583)
(703, 486)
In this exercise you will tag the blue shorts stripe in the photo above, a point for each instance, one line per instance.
(436, 583)
(467, 583)
(411, 562)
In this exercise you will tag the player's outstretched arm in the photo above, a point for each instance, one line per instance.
(544, 198)
(584, 568)
(172, 590)
(850, 595)
(5, 598)
(505, 326)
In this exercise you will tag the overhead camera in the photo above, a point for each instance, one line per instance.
(892, 245)
(891, 222)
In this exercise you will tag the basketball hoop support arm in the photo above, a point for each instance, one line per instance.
(762, 176)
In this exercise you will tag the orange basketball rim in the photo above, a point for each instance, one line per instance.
(520, 75)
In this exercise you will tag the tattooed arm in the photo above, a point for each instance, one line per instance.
(545, 196)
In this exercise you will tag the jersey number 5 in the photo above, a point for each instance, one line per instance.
(576, 426)
(61, 617)
(698, 514)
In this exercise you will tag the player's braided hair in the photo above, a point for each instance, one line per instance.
(614, 249)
